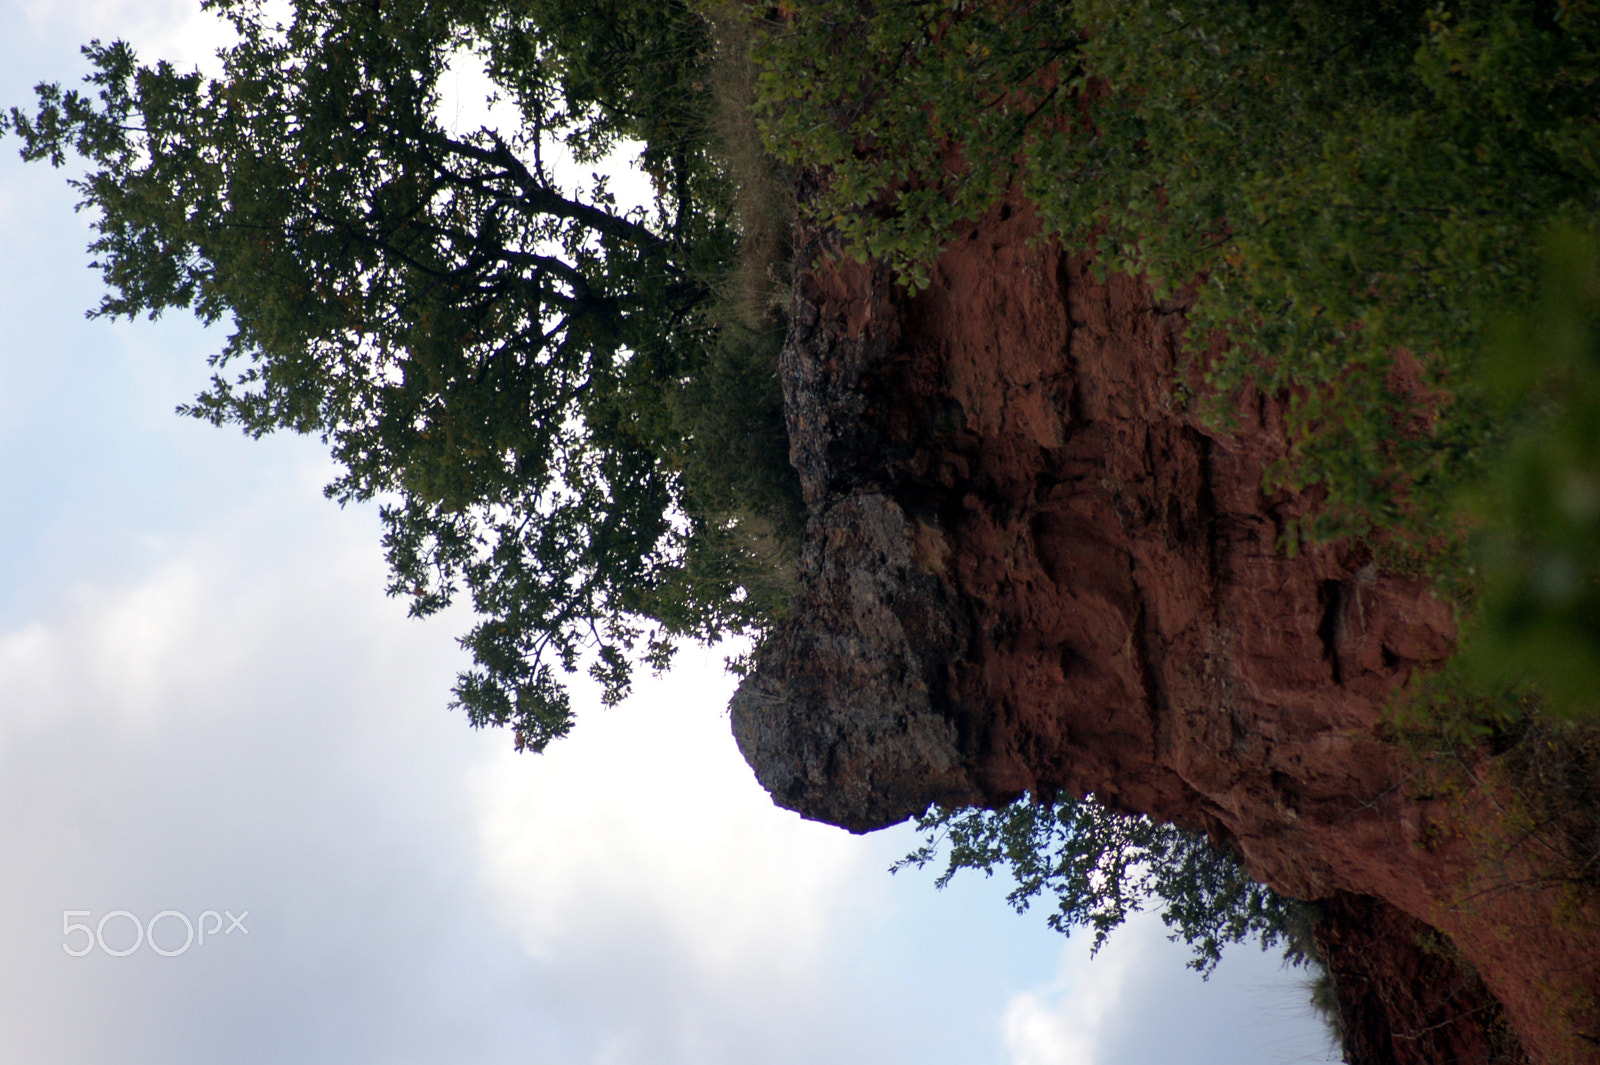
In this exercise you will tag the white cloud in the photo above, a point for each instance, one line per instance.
(176, 30)
(1137, 1002)
(119, 658)
(646, 817)
(1065, 1023)
(247, 725)
(465, 91)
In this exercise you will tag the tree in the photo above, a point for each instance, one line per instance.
(513, 369)
(546, 394)
(1101, 865)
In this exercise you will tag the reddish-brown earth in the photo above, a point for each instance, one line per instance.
(1028, 567)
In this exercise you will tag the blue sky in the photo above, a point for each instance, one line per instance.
(206, 703)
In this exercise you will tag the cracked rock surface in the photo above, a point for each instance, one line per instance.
(1029, 568)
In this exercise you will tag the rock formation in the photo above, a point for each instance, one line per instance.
(1030, 567)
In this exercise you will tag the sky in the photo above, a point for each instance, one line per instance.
(212, 718)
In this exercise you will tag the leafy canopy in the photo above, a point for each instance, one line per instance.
(1101, 866)
(1334, 182)
(512, 367)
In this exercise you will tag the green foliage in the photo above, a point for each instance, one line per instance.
(501, 362)
(1101, 866)
(877, 95)
(1538, 513)
(1334, 183)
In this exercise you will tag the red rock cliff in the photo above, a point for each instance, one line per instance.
(1027, 567)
